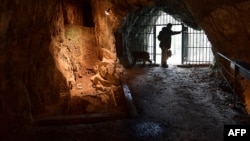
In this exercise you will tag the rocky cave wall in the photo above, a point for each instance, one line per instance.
(52, 54)
(133, 26)
(30, 78)
(40, 64)
(227, 25)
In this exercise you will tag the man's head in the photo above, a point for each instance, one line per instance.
(169, 25)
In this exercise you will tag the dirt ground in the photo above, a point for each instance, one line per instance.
(173, 104)
(190, 102)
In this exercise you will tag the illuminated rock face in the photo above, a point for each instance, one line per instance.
(49, 53)
(43, 61)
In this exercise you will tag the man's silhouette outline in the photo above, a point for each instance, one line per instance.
(165, 43)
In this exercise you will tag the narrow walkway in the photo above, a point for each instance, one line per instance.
(173, 104)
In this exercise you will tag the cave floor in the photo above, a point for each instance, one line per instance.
(172, 104)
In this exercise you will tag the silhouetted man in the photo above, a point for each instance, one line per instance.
(165, 43)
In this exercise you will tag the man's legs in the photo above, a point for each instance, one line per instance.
(164, 57)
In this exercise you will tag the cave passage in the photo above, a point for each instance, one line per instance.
(189, 47)
(64, 61)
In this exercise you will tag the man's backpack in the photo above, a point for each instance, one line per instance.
(160, 36)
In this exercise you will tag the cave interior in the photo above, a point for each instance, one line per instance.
(67, 57)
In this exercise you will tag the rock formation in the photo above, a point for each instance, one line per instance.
(56, 54)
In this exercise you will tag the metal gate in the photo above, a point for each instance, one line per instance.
(196, 49)
(189, 47)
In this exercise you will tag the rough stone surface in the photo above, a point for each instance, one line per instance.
(231, 37)
(40, 65)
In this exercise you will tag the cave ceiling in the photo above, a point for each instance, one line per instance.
(190, 12)
(176, 8)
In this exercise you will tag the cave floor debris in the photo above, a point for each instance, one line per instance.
(172, 103)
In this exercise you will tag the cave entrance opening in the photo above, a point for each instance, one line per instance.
(176, 45)
(189, 47)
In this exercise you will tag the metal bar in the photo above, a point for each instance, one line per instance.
(240, 67)
(223, 56)
(182, 44)
(154, 52)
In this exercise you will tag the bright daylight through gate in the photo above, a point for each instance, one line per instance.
(190, 47)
